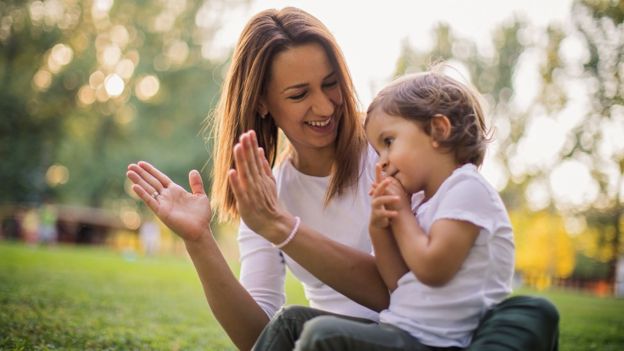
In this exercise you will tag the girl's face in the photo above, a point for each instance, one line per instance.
(303, 96)
(405, 151)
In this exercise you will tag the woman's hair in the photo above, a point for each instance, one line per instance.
(264, 36)
(421, 96)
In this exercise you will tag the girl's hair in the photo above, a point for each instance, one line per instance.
(421, 96)
(264, 36)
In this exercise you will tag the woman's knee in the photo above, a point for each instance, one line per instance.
(318, 333)
(538, 307)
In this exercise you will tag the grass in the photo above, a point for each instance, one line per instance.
(78, 298)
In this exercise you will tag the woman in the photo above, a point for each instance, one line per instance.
(287, 73)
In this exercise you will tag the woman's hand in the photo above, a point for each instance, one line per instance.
(255, 190)
(188, 214)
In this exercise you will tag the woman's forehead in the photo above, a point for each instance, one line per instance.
(299, 65)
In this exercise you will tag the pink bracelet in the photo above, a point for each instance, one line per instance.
(291, 235)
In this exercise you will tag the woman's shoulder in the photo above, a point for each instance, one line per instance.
(369, 159)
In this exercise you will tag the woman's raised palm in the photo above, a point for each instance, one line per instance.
(188, 214)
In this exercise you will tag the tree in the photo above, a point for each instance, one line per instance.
(90, 86)
(590, 53)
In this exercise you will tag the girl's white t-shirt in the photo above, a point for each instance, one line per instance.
(345, 219)
(447, 316)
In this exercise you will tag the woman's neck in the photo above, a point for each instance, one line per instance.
(316, 163)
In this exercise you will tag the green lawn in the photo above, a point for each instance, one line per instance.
(90, 298)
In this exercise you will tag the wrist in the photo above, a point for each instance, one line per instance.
(279, 229)
(203, 238)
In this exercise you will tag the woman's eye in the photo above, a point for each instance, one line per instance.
(330, 84)
(298, 96)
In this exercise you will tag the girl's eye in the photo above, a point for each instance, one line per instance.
(330, 84)
(387, 141)
(298, 96)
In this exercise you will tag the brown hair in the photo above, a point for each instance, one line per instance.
(421, 96)
(264, 36)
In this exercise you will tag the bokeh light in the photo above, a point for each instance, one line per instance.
(56, 175)
(147, 87)
(114, 85)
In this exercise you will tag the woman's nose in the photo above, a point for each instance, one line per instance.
(323, 105)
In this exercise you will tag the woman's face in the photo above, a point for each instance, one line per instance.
(303, 95)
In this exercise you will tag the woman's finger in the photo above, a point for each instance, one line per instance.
(154, 172)
(196, 183)
(237, 188)
(242, 170)
(147, 177)
(257, 158)
(150, 200)
(266, 167)
(139, 181)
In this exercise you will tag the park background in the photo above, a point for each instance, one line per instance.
(90, 86)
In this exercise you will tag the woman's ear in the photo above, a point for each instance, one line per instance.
(440, 129)
(262, 109)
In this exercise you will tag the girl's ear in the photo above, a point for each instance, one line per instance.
(440, 129)
(262, 109)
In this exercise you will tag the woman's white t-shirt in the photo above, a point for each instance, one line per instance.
(447, 316)
(345, 219)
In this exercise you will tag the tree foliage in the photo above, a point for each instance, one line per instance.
(597, 140)
(90, 86)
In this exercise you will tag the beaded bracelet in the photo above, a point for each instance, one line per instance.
(291, 235)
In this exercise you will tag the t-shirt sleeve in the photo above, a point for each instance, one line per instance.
(370, 159)
(467, 199)
(262, 271)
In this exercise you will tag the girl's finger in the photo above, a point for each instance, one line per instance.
(384, 201)
(385, 213)
(378, 173)
(140, 182)
(381, 187)
(154, 172)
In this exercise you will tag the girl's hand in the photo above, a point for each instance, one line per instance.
(395, 188)
(381, 201)
(255, 190)
(188, 214)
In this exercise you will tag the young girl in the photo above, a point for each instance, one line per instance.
(451, 256)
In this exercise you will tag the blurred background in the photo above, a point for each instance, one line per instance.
(87, 87)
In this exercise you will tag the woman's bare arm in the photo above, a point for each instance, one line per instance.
(188, 214)
(349, 271)
(237, 312)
